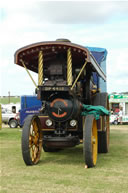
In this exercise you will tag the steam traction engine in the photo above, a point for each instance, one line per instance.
(65, 82)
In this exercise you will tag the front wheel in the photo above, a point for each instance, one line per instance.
(13, 123)
(90, 141)
(31, 140)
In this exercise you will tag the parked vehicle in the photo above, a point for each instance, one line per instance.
(114, 119)
(12, 119)
(117, 102)
(29, 105)
(14, 108)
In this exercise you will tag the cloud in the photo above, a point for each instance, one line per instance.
(77, 12)
(66, 12)
(88, 23)
(117, 70)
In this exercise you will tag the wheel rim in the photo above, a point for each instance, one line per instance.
(94, 142)
(13, 124)
(35, 141)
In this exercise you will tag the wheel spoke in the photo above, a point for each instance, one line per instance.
(32, 153)
(93, 140)
(35, 152)
(35, 141)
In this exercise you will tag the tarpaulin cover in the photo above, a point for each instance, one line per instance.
(97, 111)
(100, 54)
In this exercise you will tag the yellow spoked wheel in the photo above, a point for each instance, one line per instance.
(31, 140)
(90, 141)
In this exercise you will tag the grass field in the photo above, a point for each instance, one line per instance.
(64, 172)
(7, 100)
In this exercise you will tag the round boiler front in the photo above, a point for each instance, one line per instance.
(61, 108)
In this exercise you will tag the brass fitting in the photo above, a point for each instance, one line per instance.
(40, 68)
(69, 67)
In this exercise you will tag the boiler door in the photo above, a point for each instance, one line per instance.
(60, 108)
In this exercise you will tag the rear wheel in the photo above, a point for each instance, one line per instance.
(90, 141)
(102, 124)
(31, 140)
(103, 142)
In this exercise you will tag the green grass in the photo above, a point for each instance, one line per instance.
(64, 172)
(6, 100)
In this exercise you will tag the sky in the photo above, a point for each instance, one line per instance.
(101, 24)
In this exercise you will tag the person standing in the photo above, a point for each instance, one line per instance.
(120, 115)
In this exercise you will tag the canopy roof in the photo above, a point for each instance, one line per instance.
(29, 54)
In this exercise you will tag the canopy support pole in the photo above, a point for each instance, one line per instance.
(40, 68)
(28, 73)
(69, 67)
(79, 75)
